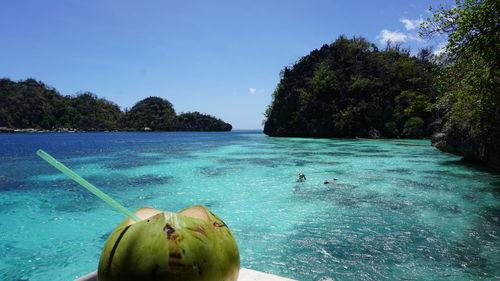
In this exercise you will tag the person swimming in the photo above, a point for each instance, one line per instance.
(301, 177)
(330, 182)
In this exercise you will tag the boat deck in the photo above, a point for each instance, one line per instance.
(245, 275)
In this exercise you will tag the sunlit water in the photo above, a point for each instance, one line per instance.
(396, 212)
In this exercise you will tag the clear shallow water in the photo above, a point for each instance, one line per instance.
(396, 212)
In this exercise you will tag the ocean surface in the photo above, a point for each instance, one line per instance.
(396, 211)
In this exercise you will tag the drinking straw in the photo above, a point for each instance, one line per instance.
(47, 157)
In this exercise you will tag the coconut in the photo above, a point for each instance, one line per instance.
(191, 245)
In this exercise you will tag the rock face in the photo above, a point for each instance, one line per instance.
(484, 149)
(469, 99)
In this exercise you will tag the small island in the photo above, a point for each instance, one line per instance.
(32, 106)
(350, 88)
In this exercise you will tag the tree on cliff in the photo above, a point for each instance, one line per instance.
(158, 114)
(349, 88)
(91, 113)
(195, 121)
(28, 104)
(469, 103)
(32, 104)
(154, 113)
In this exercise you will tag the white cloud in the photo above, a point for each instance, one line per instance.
(411, 24)
(252, 90)
(394, 36)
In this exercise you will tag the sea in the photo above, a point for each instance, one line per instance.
(395, 212)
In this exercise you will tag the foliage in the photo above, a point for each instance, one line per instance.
(469, 98)
(391, 128)
(32, 104)
(350, 88)
(154, 113)
(195, 121)
(91, 113)
(414, 127)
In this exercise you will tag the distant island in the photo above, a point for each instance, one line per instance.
(32, 106)
(350, 88)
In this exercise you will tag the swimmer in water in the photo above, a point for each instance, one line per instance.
(301, 177)
(330, 182)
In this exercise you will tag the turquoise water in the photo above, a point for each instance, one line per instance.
(396, 212)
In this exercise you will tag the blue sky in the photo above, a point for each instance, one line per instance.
(217, 57)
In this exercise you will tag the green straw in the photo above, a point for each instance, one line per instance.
(45, 156)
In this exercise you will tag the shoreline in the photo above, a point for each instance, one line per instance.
(65, 130)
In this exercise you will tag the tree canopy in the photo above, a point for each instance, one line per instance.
(195, 121)
(350, 88)
(154, 113)
(468, 105)
(32, 104)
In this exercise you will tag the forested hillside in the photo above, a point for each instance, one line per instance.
(351, 88)
(157, 114)
(195, 121)
(32, 104)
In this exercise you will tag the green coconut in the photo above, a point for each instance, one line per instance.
(193, 244)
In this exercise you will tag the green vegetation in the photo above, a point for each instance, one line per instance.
(195, 121)
(154, 113)
(468, 106)
(350, 88)
(32, 104)
(90, 113)
(157, 114)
